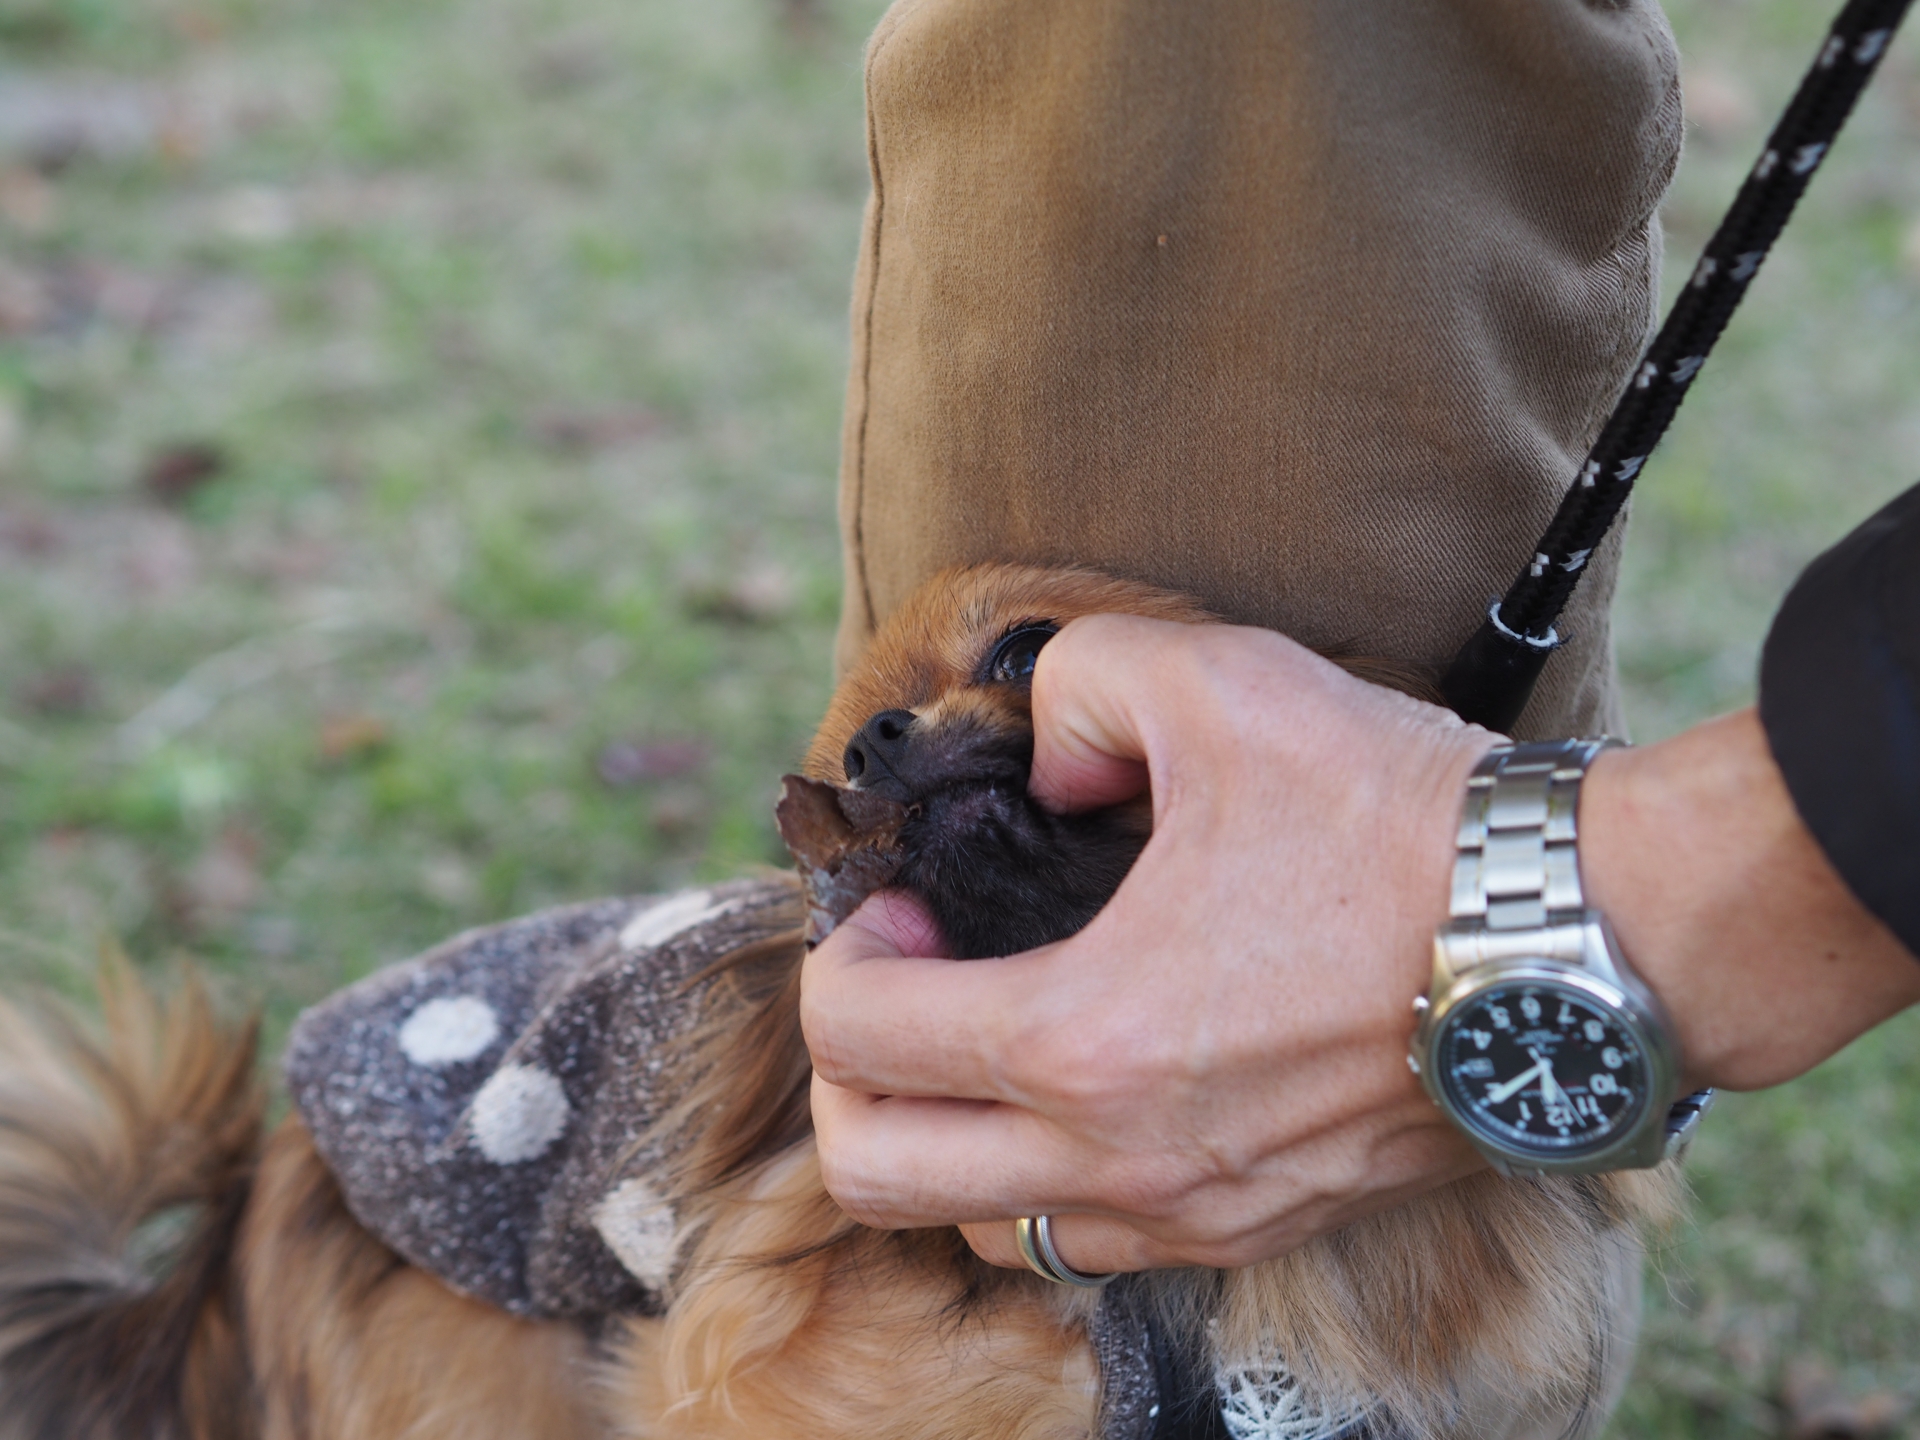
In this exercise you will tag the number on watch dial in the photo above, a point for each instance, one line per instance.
(1541, 1070)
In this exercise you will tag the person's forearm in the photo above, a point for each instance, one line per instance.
(1725, 904)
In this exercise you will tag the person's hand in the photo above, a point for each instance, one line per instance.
(1214, 1070)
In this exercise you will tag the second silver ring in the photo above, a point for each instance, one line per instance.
(1034, 1235)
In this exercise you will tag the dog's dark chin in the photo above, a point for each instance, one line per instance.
(1002, 875)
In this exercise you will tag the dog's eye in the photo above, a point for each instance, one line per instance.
(1013, 657)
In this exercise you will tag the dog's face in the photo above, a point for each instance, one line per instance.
(937, 715)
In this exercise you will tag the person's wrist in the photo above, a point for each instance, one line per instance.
(1728, 909)
(1450, 769)
(1436, 802)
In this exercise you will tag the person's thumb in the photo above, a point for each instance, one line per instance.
(1089, 741)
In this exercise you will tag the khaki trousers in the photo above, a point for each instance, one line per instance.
(1306, 307)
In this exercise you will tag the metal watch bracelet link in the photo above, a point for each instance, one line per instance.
(1516, 864)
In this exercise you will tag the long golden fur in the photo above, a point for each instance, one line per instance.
(1490, 1307)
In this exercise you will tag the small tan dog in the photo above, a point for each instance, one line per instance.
(166, 1273)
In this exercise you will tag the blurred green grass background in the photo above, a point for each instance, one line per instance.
(417, 431)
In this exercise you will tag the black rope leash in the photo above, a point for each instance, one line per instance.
(1494, 673)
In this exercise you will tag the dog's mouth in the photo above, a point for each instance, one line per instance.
(999, 873)
(956, 813)
(1003, 874)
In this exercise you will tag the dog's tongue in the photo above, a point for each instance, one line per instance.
(847, 844)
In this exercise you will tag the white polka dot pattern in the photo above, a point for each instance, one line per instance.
(449, 1030)
(672, 916)
(490, 1172)
(518, 1114)
(638, 1227)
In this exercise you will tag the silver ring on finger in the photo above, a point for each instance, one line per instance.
(1034, 1235)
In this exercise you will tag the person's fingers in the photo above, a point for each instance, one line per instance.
(993, 1241)
(1115, 696)
(885, 1022)
(1087, 750)
(904, 1162)
(909, 1163)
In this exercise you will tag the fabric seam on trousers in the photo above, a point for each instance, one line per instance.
(857, 501)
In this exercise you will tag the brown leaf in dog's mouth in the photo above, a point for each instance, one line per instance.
(846, 842)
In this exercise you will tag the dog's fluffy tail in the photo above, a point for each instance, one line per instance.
(125, 1161)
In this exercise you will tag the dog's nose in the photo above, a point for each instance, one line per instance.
(879, 750)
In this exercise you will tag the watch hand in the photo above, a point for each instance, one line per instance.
(1550, 1087)
(1503, 1092)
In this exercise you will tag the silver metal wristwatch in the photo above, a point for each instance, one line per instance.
(1536, 1037)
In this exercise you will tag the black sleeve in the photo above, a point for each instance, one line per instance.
(1840, 701)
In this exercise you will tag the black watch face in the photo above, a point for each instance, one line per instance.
(1542, 1069)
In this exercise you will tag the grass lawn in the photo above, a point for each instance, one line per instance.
(417, 434)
